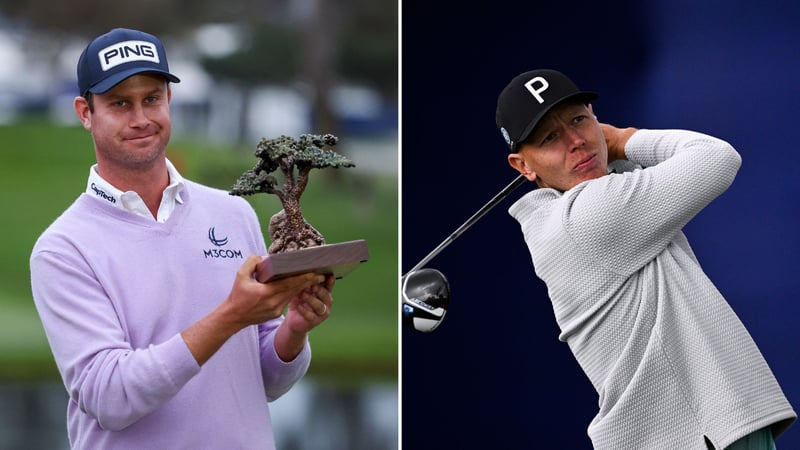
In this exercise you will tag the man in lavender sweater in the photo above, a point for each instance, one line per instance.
(145, 286)
(673, 366)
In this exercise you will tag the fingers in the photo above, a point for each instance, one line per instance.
(311, 306)
(314, 307)
(330, 280)
(315, 303)
(248, 267)
(279, 291)
(318, 298)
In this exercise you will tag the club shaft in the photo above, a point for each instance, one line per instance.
(475, 217)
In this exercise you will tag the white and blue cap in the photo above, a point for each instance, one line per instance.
(111, 58)
(529, 97)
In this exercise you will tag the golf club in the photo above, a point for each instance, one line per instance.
(426, 292)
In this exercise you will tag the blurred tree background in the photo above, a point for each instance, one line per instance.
(315, 44)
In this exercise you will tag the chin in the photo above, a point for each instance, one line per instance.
(597, 173)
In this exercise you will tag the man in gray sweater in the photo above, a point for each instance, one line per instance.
(673, 365)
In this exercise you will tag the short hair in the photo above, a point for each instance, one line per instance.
(90, 101)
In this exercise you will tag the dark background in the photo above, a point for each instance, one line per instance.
(494, 374)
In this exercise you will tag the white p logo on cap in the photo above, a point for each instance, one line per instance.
(536, 92)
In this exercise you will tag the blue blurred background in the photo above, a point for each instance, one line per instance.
(494, 375)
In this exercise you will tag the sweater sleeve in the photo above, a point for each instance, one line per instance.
(279, 376)
(107, 378)
(625, 220)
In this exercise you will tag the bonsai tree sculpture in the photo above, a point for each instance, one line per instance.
(288, 229)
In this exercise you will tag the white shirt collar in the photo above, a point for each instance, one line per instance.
(131, 201)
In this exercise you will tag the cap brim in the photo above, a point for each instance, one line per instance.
(583, 96)
(108, 83)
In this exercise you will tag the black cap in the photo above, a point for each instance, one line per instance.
(528, 97)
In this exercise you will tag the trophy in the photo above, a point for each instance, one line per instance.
(296, 246)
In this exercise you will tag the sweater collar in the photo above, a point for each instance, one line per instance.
(130, 201)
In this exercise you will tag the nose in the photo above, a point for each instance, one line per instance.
(575, 139)
(138, 118)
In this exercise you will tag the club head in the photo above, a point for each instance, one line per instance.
(426, 296)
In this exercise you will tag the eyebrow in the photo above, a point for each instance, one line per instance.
(542, 127)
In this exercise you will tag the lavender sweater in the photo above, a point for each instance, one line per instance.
(671, 362)
(115, 290)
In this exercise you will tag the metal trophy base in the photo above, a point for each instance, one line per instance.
(330, 259)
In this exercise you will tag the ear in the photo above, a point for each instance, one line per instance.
(518, 162)
(81, 107)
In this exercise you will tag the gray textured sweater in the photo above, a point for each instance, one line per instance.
(670, 360)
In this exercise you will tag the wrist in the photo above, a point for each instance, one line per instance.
(624, 135)
(288, 342)
(207, 335)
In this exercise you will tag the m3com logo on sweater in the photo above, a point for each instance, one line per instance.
(220, 242)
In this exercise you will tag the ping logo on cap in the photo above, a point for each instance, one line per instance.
(543, 85)
(127, 51)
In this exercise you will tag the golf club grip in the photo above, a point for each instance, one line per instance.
(517, 182)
